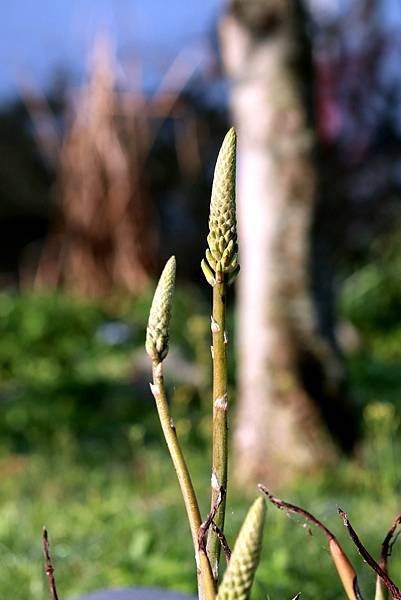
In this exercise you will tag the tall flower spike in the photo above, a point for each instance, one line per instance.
(238, 578)
(222, 254)
(157, 332)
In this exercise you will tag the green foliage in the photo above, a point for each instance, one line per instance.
(371, 297)
(70, 369)
(58, 373)
(111, 523)
(371, 301)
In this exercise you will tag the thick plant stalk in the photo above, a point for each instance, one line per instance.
(157, 348)
(220, 462)
(220, 269)
(239, 575)
(205, 577)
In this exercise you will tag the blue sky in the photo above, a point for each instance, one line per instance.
(37, 36)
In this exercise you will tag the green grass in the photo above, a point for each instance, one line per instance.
(82, 453)
(122, 523)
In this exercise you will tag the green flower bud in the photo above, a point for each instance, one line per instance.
(157, 332)
(238, 578)
(222, 238)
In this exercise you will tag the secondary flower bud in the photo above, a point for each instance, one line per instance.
(238, 578)
(157, 332)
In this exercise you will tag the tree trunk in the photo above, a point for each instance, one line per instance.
(290, 378)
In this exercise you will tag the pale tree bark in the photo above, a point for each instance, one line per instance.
(290, 377)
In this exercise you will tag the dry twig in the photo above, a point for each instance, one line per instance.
(367, 557)
(204, 528)
(388, 543)
(223, 541)
(386, 548)
(49, 569)
(209, 522)
(344, 568)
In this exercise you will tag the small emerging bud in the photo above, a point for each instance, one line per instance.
(157, 332)
(208, 273)
(238, 578)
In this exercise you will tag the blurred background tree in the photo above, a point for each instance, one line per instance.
(291, 379)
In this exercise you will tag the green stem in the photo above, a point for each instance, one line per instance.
(206, 585)
(219, 459)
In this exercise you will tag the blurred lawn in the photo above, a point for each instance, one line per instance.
(81, 451)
